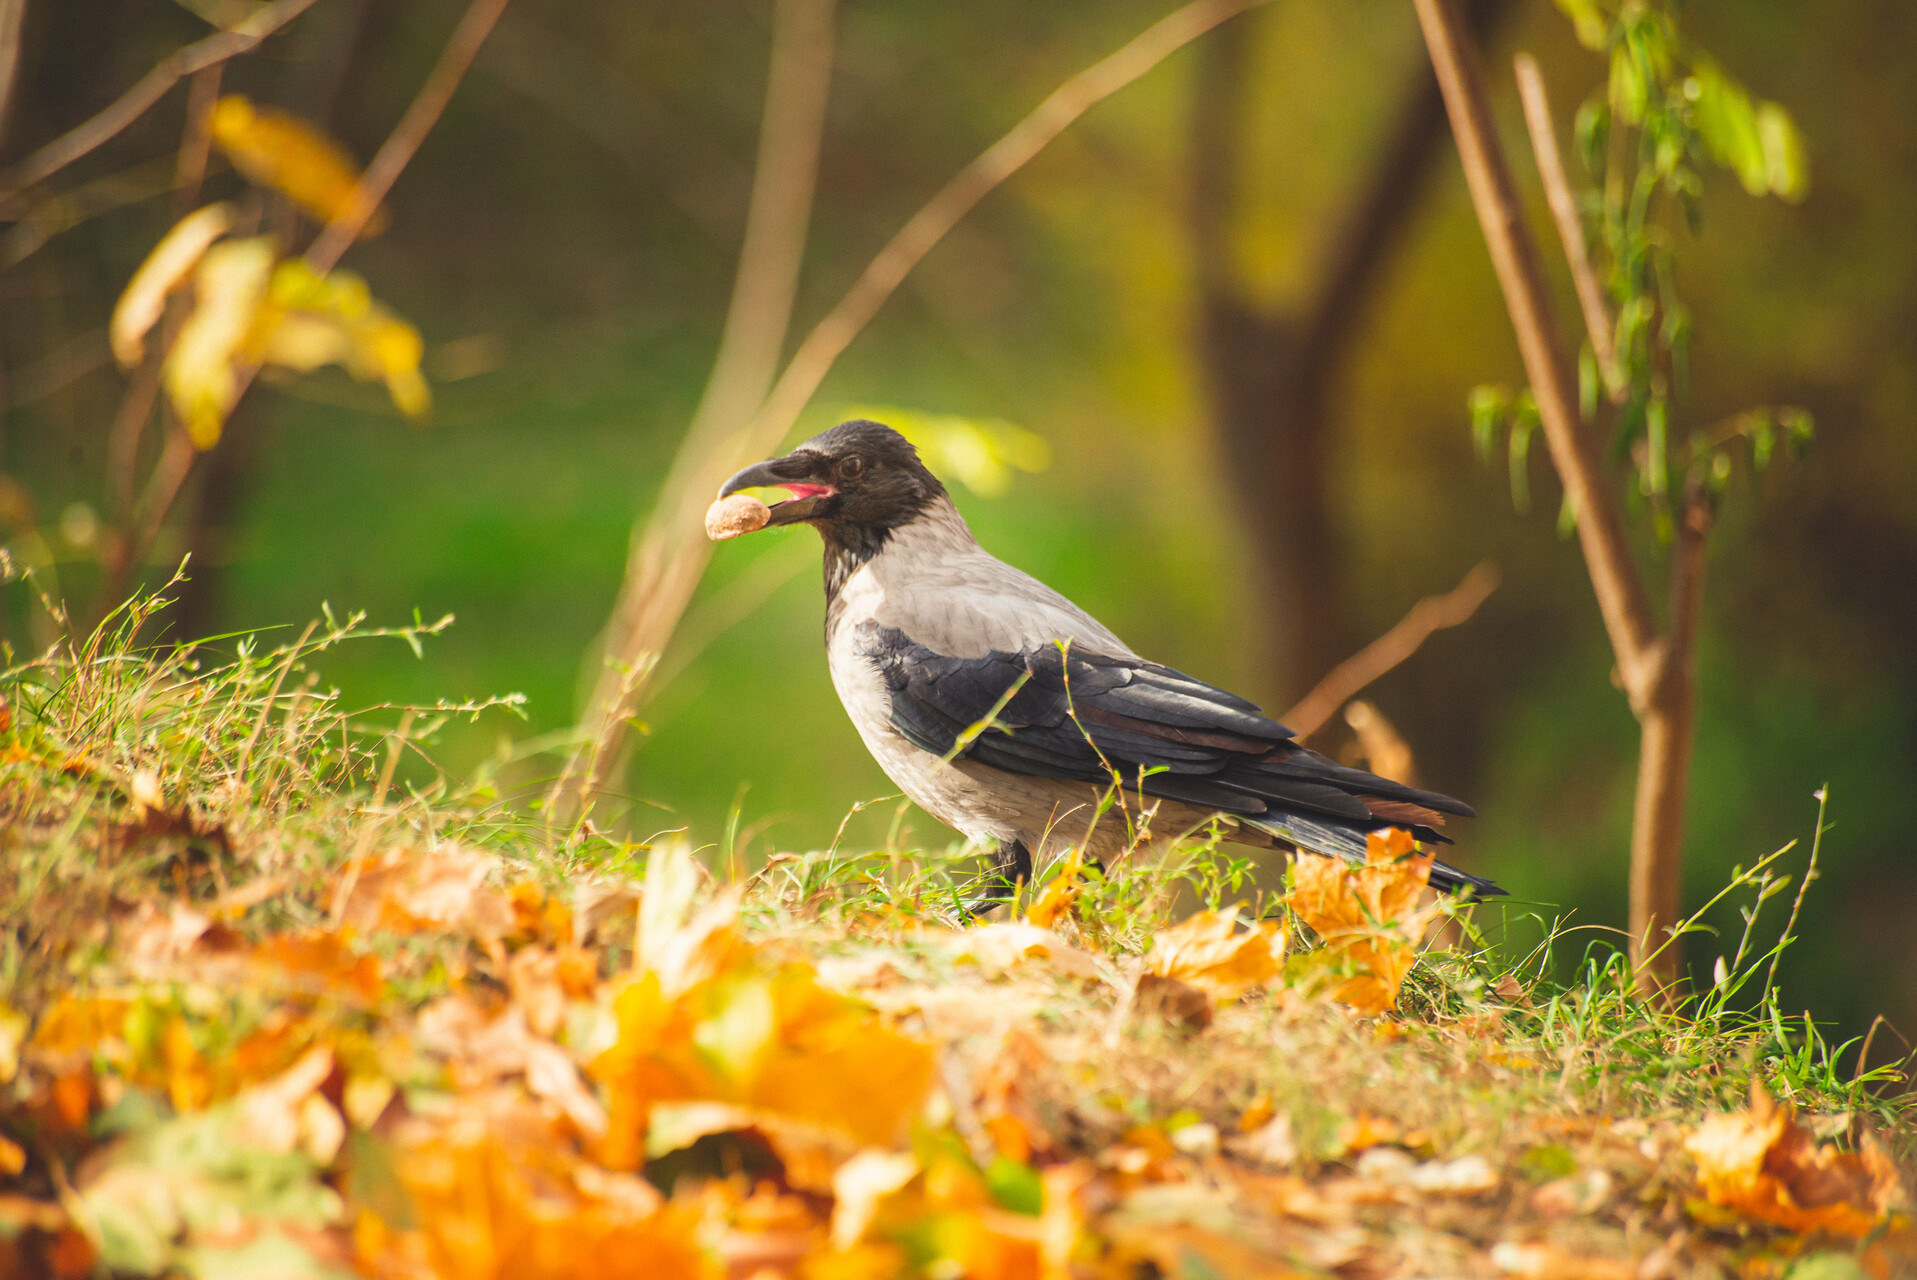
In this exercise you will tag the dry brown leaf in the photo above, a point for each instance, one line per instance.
(1207, 951)
(1368, 916)
(275, 1116)
(997, 947)
(484, 1047)
(1168, 1000)
(1548, 1262)
(1464, 1176)
(1763, 1164)
(160, 935)
(442, 889)
(1270, 1143)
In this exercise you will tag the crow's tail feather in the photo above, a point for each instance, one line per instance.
(1339, 841)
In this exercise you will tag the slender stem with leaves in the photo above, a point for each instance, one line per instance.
(1665, 112)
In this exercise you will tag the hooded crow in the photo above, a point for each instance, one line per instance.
(1007, 712)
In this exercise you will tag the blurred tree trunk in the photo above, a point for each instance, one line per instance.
(1271, 375)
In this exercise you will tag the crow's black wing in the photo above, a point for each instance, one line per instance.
(1092, 718)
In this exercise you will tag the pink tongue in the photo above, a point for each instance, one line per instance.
(807, 490)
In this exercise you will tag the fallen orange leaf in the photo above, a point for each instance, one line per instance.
(709, 1020)
(441, 889)
(1056, 902)
(1208, 952)
(1368, 916)
(497, 1194)
(1763, 1164)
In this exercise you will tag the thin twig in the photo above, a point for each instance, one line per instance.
(1433, 613)
(1615, 580)
(272, 696)
(942, 212)
(1769, 993)
(132, 104)
(350, 881)
(196, 144)
(674, 552)
(177, 455)
(424, 112)
(11, 12)
(1564, 211)
(1687, 575)
(136, 405)
(791, 133)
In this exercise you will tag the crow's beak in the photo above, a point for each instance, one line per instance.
(807, 475)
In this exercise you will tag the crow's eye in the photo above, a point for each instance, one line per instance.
(851, 467)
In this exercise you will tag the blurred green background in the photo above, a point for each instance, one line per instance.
(565, 240)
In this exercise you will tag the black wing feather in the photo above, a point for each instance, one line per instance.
(1086, 717)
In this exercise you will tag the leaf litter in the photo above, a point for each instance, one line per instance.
(435, 1057)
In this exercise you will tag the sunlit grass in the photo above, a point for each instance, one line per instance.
(241, 785)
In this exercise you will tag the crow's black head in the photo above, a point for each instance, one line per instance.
(855, 483)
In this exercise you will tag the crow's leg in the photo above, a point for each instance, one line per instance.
(1011, 867)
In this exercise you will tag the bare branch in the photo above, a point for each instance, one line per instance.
(400, 145)
(1433, 613)
(58, 370)
(941, 213)
(1614, 574)
(1655, 670)
(177, 454)
(667, 551)
(132, 104)
(196, 144)
(671, 553)
(11, 12)
(1564, 211)
(1387, 754)
(1664, 758)
(136, 404)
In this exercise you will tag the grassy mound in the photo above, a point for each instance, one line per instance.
(284, 1000)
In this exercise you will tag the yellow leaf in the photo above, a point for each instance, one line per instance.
(165, 269)
(1207, 951)
(1060, 894)
(981, 452)
(1763, 1164)
(708, 1020)
(228, 288)
(189, 1083)
(310, 319)
(13, 1033)
(998, 947)
(1368, 916)
(299, 340)
(274, 149)
(832, 1062)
